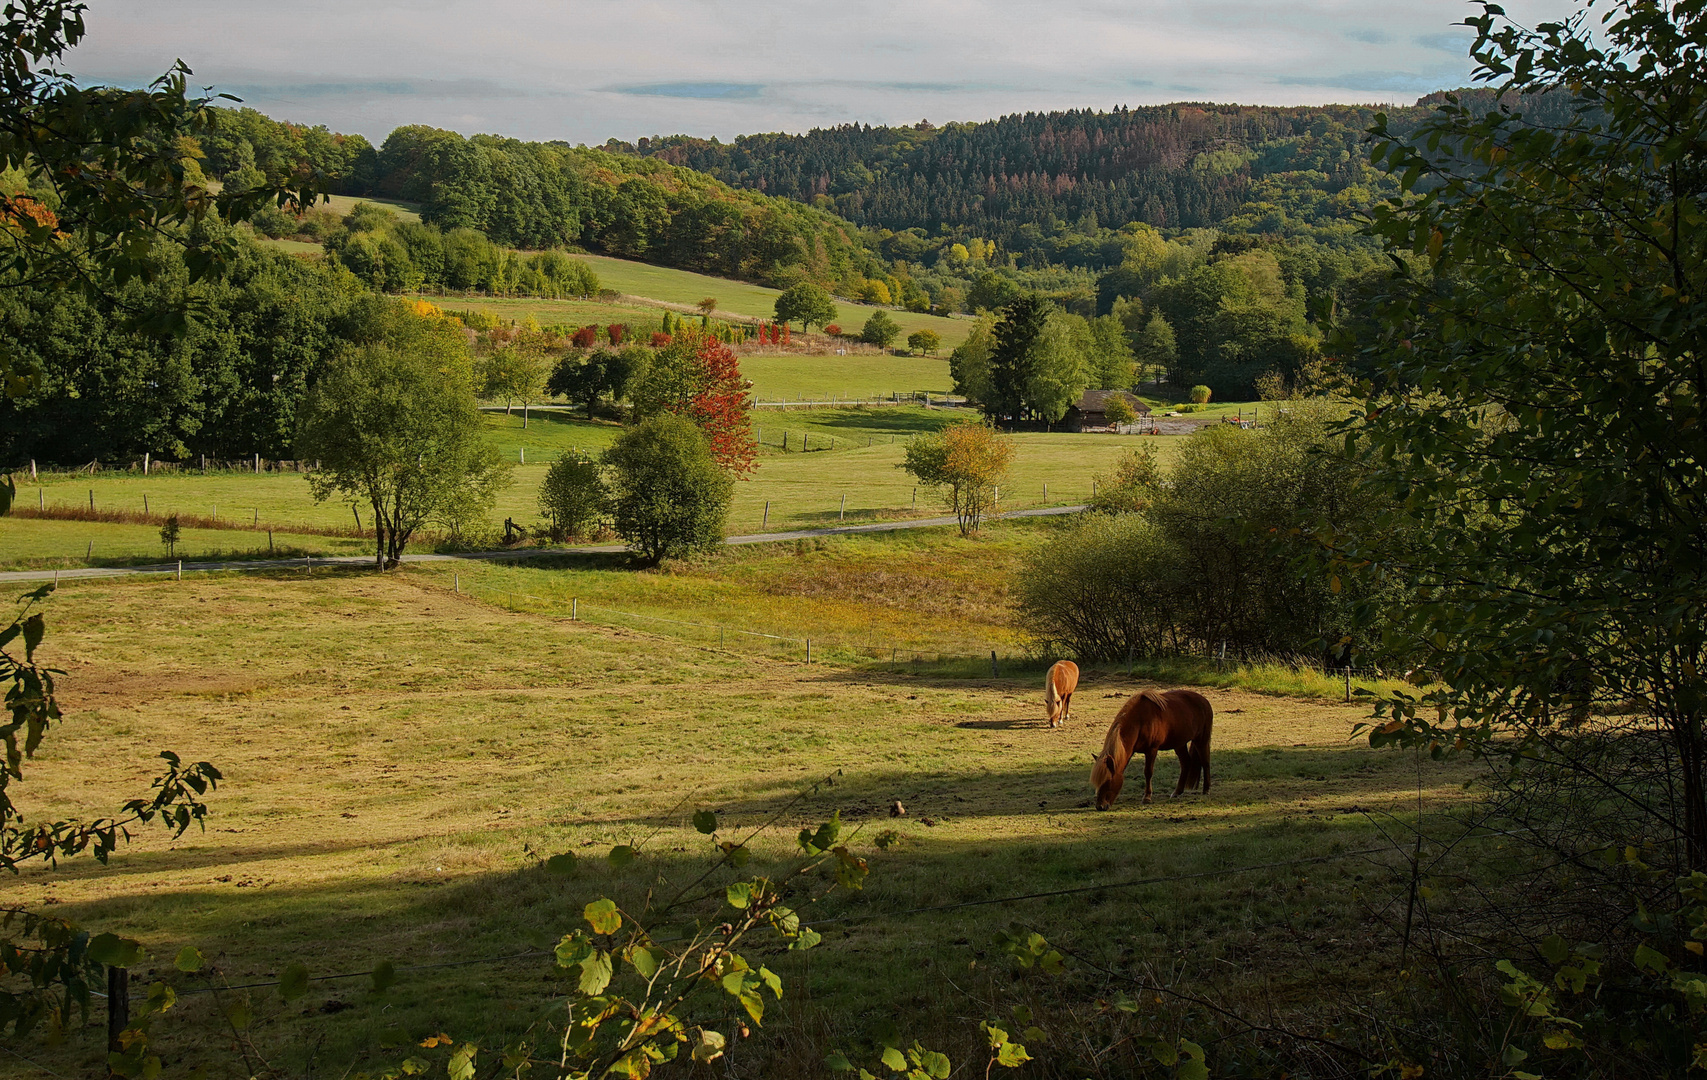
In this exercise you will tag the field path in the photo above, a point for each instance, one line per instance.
(524, 553)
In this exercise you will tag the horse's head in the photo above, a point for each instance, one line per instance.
(1107, 778)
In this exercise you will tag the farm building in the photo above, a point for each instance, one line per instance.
(1089, 413)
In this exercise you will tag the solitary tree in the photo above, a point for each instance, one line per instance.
(572, 495)
(668, 495)
(1014, 355)
(967, 462)
(395, 424)
(707, 305)
(806, 304)
(169, 534)
(1118, 409)
(516, 373)
(880, 330)
(924, 341)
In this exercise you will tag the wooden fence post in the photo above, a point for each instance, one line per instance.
(995, 672)
(118, 1006)
(767, 518)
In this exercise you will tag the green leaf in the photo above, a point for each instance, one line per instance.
(933, 1063)
(562, 865)
(1651, 959)
(838, 1062)
(595, 972)
(1514, 1055)
(1011, 1055)
(189, 959)
(293, 982)
(771, 980)
(710, 1047)
(643, 961)
(240, 1015)
(621, 856)
(739, 895)
(825, 838)
(894, 1059)
(114, 951)
(384, 975)
(807, 939)
(461, 1064)
(705, 821)
(603, 916)
(572, 949)
(1555, 949)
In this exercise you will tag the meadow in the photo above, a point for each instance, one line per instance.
(399, 758)
(846, 474)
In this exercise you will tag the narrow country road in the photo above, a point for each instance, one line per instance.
(524, 553)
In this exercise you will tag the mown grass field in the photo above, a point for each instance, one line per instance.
(743, 298)
(852, 454)
(398, 758)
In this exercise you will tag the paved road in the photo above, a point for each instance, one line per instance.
(493, 556)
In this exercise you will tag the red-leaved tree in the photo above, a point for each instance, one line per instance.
(585, 338)
(616, 331)
(720, 407)
(660, 339)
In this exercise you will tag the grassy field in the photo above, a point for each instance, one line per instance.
(823, 378)
(852, 454)
(742, 298)
(398, 758)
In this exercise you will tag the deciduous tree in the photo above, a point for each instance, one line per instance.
(880, 330)
(668, 494)
(967, 461)
(395, 424)
(806, 304)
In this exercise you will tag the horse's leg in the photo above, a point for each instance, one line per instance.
(1067, 710)
(1149, 771)
(1187, 769)
(1203, 759)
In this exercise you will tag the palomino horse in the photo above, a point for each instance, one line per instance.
(1058, 690)
(1150, 722)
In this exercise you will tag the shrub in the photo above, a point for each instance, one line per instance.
(924, 341)
(668, 496)
(1133, 485)
(660, 340)
(880, 330)
(834, 330)
(572, 495)
(1103, 591)
(585, 338)
(1200, 394)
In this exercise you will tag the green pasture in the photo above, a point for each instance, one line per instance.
(855, 376)
(398, 759)
(643, 318)
(343, 204)
(742, 298)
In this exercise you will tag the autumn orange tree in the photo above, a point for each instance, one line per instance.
(699, 377)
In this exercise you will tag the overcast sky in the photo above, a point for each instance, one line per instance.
(588, 70)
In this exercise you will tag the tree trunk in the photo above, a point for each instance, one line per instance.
(1692, 766)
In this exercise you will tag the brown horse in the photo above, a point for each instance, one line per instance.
(1058, 690)
(1150, 722)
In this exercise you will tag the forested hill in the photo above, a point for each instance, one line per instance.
(544, 195)
(1171, 166)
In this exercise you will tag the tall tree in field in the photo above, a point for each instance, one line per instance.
(668, 494)
(517, 372)
(967, 462)
(1014, 355)
(1543, 425)
(702, 381)
(806, 304)
(395, 424)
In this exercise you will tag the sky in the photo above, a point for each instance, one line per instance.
(588, 70)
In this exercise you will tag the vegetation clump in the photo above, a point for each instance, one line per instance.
(668, 497)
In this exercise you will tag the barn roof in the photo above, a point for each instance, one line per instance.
(1093, 401)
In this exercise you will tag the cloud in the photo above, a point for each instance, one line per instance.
(593, 69)
(701, 90)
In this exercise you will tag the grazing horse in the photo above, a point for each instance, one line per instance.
(1150, 722)
(1058, 690)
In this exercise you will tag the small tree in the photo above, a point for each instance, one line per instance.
(707, 305)
(515, 373)
(880, 330)
(668, 495)
(396, 424)
(572, 496)
(924, 341)
(582, 379)
(806, 304)
(1200, 394)
(967, 460)
(169, 534)
(1118, 409)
